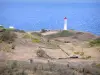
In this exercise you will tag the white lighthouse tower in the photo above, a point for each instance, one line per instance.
(65, 23)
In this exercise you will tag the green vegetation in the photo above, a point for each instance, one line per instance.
(86, 57)
(95, 42)
(64, 33)
(12, 69)
(8, 36)
(35, 40)
(79, 53)
(40, 53)
(1, 27)
(98, 65)
(1, 41)
(76, 52)
(27, 36)
(18, 30)
(6, 48)
(36, 34)
(43, 30)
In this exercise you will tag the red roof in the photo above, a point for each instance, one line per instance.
(65, 18)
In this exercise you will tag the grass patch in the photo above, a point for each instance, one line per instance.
(27, 36)
(35, 40)
(95, 42)
(86, 57)
(64, 33)
(76, 52)
(79, 53)
(98, 65)
(1, 41)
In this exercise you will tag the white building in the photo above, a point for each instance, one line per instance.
(11, 27)
(65, 23)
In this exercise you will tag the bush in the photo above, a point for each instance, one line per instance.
(17, 30)
(98, 65)
(13, 46)
(35, 40)
(43, 30)
(79, 53)
(27, 36)
(36, 33)
(86, 57)
(2, 29)
(8, 36)
(40, 53)
(13, 69)
(76, 52)
(95, 42)
(0, 41)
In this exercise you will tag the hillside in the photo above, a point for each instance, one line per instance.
(46, 52)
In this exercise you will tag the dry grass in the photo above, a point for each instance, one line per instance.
(79, 53)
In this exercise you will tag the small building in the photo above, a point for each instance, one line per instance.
(11, 27)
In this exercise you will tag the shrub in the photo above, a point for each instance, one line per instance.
(95, 42)
(35, 40)
(8, 36)
(13, 69)
(81, 53)
(26, 36)
(2, 29)
(98, 65)
(1, 26)
(17, 30)
(76, 52)
(6, 48)
(40, 53)
(43, 30)
(13, 46)
(0, 41)
(36, 33)
(86, 57)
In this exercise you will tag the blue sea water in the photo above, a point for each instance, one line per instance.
(36, 16)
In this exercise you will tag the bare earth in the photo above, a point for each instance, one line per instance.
(25, 49)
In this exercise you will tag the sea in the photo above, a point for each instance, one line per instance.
(36, 16)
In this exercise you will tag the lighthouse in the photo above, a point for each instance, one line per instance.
(65, 23)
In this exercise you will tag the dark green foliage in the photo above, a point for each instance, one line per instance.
(43, 30)
(17, 30)
(95, 42)
(2, 29)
